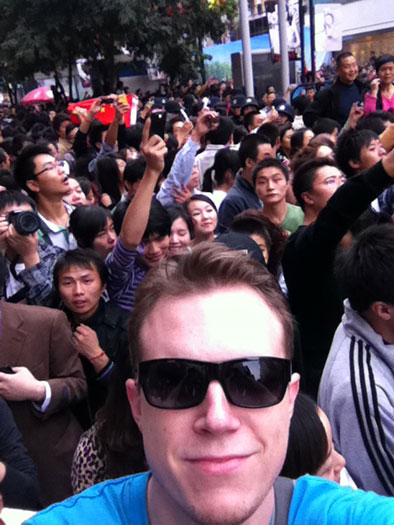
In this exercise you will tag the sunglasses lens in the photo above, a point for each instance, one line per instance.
(181, 383)
(257, 383)
(172, 384)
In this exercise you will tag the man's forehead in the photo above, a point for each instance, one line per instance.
(328, 171)
(43, 158)
(220, 324)
(347, 61)
(270, 172)
(78, 271)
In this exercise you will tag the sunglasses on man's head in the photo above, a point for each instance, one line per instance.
(175, 384)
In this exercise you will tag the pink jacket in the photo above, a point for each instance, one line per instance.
(370, 104)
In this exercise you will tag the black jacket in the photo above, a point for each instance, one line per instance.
(327, 104)
(110, 324)
(308, 267)
(19, 487)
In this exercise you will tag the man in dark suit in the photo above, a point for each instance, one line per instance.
(336, 101)
(18, 477)
(47, 379)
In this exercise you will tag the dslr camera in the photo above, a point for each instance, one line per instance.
(25, 222)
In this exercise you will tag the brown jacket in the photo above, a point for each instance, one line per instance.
(41, 340)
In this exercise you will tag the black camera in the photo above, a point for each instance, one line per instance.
(25, 222)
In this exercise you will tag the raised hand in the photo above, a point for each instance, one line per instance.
(154, 150)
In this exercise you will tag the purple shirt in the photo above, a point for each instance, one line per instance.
(124, 275)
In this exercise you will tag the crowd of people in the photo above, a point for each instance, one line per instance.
(198, 309)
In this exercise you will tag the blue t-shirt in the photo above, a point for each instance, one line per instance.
(315, 501)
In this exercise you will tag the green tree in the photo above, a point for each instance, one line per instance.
(46, 35)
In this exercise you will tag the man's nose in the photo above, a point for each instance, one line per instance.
(78, 288)
(217, 414)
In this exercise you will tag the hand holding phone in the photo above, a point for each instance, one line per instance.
(122, 99)
(158, 123)
(106, 100)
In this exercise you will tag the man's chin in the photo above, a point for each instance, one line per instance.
(223, 509)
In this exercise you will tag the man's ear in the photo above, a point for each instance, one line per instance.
(249, 163)
(33, 185)
(307, 198)
(293, 389)
(384, 311)
(134, 397)
(355, 164)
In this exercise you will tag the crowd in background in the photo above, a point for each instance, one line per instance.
(302, 184)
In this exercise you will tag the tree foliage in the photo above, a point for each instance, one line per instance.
(47, 35)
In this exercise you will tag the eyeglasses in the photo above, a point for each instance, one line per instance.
(175, 384)
(50, 167)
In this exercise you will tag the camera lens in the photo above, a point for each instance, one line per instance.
(25, 222)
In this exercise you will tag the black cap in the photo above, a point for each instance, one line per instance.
(242, 242)
(159, 102)
(172, 106)
(250, 101)
(285, 109)
(238, 101)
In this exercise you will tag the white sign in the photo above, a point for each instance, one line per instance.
(328, 27)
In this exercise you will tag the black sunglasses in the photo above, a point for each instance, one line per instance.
(175, 384)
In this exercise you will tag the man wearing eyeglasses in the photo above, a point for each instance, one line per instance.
(213, 396)
(42, 177)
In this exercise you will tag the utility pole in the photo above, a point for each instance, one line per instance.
(246, 49)
(284, 50)
(312, 23)
(302, 36)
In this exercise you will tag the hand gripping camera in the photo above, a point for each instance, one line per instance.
(25, 222)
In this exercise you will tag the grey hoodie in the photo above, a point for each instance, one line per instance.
(357, 394)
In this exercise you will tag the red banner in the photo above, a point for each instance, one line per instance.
(107, 113)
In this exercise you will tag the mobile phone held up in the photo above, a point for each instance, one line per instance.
(158, 123)
(107, 100)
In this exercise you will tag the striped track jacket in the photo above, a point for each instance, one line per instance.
(357, 394)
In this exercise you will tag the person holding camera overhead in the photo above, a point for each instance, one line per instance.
(29, 262)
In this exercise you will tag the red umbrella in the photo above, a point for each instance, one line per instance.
(41, 94)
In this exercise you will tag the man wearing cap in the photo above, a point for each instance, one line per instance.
(285, 114)
(250, 104)
(236, 105)
(213, 395)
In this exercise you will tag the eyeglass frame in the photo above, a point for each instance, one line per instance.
(57, 163)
